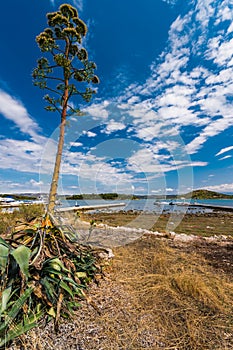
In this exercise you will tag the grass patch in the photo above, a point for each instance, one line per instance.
(25, 214)
(199, 224)
(186, 303)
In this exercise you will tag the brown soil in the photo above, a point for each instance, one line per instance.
(218, 251)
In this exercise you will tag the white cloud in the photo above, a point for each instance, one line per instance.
(170, 2)
(98, 110)
(76, 144)
(204, 12)
(222, 53)
(226, 157)
(224, 13)
(147, 162)
(89, 133)
(230, 29)
(224, 150)
(31, 186)
(228, 187)
(36, 184)
(170, 189)
(112, 126)
(23, 156)
(13, 110)
(179, 93)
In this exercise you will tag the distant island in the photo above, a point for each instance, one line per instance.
(197, 194)
(205, 194)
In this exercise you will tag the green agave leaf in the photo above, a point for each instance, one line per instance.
(4, 251)
(56, 264)
(3, 242)
(49, 289)
(6, 294)
(22, 255)
(15, 309)
(64, 286)
(77, 287)
(34, 317)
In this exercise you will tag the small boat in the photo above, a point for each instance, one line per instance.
(160, 203)
(6, 200)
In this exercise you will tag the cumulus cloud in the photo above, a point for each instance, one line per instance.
(179, 93)
(76, 144)
(228, 187)
(114, 126)
(89, 133)
(23, 156)
(98, 110)
(31, 186)
(182, 91)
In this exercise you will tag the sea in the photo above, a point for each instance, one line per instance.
(150, 205)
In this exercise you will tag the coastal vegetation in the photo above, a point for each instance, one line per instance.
(197, 194)
(44, 273)
(199, 224)
(205, 194)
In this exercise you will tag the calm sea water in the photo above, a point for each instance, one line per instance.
(149, 205)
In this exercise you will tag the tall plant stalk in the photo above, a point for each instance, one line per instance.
(70, 67)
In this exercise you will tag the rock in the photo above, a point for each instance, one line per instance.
(106, 254)
(182, 237)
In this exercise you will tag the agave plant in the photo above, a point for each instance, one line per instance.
(41, 273)
(14, 265)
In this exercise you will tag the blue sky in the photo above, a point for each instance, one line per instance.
(162, 119)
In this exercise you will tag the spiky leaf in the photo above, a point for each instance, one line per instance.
(6, 294)
(17, 306)
(22, 256)
(4, 251)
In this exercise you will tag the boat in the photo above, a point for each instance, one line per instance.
(5, 200)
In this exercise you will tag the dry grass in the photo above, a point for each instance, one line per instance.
(186, 305)
(9, 221)
(201, 224)
(153, 297)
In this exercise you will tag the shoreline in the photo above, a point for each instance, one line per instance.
(115, 229)
(197, 224)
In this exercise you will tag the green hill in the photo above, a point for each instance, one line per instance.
(205, 194)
